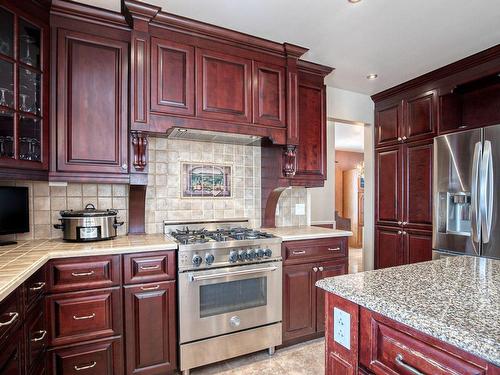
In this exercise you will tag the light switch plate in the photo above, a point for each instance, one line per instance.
(300, 209)
(342, 328)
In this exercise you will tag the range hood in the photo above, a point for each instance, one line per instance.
(214, 137)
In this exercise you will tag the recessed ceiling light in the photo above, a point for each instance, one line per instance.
(372, 76)
(354, 1)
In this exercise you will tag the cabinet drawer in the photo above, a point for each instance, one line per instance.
(84, 273)
(82, 316)
(10, 315)
(102, 357)
(387, 349)
(35, 288)
(149, 267)
(314, 250)
(36, 337)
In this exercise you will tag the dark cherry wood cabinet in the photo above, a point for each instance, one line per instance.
(306, 262)
(389, 185)
(24, 90)
(172, 77)
(418, 245)
(420, 116)
(11, 356)
(36, 339)
(90, 135)
(390, 247)
(269, 94)
(388, 124)
(379, 345)
(150, 322)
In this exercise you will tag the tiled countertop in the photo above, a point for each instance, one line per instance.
(306, 233)
(18, 262)
(456, 300)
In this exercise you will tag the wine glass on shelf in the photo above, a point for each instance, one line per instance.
(24, 106)
(3, 99)
(28, 59)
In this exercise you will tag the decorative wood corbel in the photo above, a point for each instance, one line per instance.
(140, 147)
(290, 160)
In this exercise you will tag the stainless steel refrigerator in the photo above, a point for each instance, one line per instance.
(466, 193)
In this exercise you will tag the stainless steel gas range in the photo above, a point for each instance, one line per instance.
(230, 290)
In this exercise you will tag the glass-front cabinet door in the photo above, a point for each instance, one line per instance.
(23, 90)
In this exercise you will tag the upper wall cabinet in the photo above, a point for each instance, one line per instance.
(268, 94)
(91, 116)
(172, 77)
(388, 124)
(24, 83)
(223, 86)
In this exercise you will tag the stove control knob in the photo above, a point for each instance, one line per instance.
(268, 253)
(209, 258)
(197, 260)
(242, 255)
(260, 253)
(233, 256)
(251, 254)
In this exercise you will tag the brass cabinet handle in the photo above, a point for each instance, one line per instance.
(77, 274)
(91, 316)
(315, 269)
(85, 367)
(400, 361)
(150, 287)
(298, 252)
(334, 249)
(38, 286)
(42, 333)
(155, 267)
(13, 317)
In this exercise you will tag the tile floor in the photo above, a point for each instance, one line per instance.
(301, 359)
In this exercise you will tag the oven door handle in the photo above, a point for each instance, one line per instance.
(234, 273)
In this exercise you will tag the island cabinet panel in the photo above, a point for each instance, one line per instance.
(388, 124)
(269, 94)
(92, 86)
(388, 347)
(388, 186)
(306, 262)
(172, 77)
(223, 86)
(150, 321)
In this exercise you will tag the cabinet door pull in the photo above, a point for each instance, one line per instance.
(321, 269)
(400, 361)
(399, 232)
(41, 337)
(155, 267)
(37, 286)
(85, 367)
(298, 252)
(150, 287)
(91, 316)
(334, 249)
(315, 269)
(78, 274)
(13, 317)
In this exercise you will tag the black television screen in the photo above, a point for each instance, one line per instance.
(14, 210)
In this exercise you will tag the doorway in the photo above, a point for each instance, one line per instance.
(349, 188)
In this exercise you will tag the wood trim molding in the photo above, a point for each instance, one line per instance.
(139, 11)
(443, 72)
(313, 68)
(348, 122)
(269, 219)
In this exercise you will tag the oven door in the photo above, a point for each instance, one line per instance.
(223, 300)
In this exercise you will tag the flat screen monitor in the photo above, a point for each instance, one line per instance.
(14, 210)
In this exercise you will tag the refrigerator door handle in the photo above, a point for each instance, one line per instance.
(474, 193)
(486, 194)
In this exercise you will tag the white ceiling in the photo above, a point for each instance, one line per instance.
(397, 39)
(349, 137)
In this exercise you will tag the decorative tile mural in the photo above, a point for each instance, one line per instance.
(206, 180)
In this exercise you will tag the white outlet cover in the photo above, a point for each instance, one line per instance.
(342, 328)
(300, 209)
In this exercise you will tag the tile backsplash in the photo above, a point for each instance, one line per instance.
(46, 201)
(163, 195)
(286, 216)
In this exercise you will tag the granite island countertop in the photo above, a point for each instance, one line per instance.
(18, 262)
(306, 232)
(456, 300)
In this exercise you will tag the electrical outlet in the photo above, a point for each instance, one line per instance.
(300, 209)
(342, 328)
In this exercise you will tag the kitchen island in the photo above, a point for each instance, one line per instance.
(436, 317)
